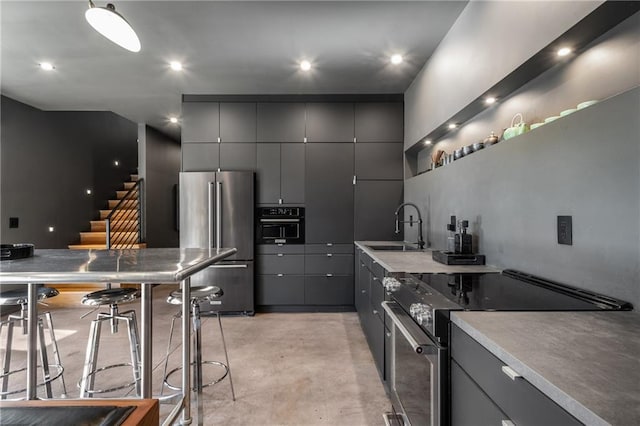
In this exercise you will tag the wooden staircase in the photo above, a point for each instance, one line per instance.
(122, 228)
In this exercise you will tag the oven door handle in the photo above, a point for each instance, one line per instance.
(418, 340)
(283, 221)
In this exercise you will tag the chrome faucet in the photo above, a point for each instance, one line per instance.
(411, 222)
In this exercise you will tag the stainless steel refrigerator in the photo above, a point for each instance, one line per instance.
(217, 210)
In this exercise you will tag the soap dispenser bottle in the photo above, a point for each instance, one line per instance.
(451, 227)
(462, 240)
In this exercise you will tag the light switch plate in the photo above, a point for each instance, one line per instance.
(565, 231)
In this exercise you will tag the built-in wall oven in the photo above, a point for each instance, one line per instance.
(418, 311)
(280, 225)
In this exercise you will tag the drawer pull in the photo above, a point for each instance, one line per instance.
(375, 278)
(388, 334)
(375, 312)
(280, 254)
(329, 254)
(361, 264)
(510, 372)
(280, 275)
(508, 423)
(329, 275)
(364, 291)
(329, 244)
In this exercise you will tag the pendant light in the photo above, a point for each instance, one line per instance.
(113, 26)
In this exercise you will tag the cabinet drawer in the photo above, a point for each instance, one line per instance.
(275, 290)
(377, 295)
(329, 248)
(273, 264)
(377, 270)
(375, 333)
(280, 248)
(322, 290)
(321, 264)
(518, 399)
(469, 405)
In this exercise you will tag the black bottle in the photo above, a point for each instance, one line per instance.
(463, 244)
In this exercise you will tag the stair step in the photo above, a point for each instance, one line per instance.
(116, 225)
(128, 214)
(101, 237)
(129, 185)
(101, 246)
(131, 204)
(121, 194)
(134, 177)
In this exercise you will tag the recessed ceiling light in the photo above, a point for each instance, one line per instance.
(427, 142)
(396, 59)
(116, 163)
(47, 66)
(305, 65)
(452, 126)
(175, 65)
(490, 100)
(564, 51)
(51, 229)
(173, 120)
(88, 192)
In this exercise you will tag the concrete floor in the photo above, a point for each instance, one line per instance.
(288, 369)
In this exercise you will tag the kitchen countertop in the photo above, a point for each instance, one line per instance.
(414, 262)
(587, 362)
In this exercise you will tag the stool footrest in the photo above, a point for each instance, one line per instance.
(218, 380)
(108, 367)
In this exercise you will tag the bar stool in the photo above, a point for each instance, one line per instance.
(211, 295)
(111, 297)
(19, 297)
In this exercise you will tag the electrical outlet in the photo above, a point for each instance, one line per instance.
(13, 222)
(565, 231)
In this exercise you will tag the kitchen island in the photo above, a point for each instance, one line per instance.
(147, 267)
(588, 363)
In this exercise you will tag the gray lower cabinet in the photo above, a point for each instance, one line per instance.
(200, 157)
(330, 122)
(238, 122)
(329, 193)
(375, 204)
(281, 263)
(470, 406)
(522, 402)
(281, 122)
(200, 122)
(334, 264)
(327, 290)
(379, 122)
(280, 290)
(238, 156)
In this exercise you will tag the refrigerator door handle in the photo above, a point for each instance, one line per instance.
(223, 266)
(218, 215)
(210, 213)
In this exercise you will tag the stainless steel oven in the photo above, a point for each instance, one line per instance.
(280, 225)
(418, 369)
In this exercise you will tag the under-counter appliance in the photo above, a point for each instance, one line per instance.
(419, 308)
(216, 210)
(280, 225)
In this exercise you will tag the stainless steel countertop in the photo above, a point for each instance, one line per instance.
(587, 362)
(416, 261)
(155, 265)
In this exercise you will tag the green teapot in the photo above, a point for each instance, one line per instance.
(517, 127)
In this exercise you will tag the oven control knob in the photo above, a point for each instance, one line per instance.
(424, 317)
(390, 284)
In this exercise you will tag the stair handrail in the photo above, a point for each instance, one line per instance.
(136, 192)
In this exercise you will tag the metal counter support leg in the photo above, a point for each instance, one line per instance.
(186, 353)
(32, 343)
(146, 322)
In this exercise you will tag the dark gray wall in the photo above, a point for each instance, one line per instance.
(585, 165)
(49, 159)
(488, 41)
(161, 169)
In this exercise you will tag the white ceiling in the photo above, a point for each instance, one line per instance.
(237, 47)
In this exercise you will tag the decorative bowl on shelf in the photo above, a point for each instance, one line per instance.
(550, 119)
(567, 112)
(587, 104)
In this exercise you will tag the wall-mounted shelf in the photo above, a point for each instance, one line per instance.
(598, 22)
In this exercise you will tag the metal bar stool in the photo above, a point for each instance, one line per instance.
(111, 297)
(20, 297)
(211, 295)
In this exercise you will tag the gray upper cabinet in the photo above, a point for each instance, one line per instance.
(379, 122)
(200, 157)
(237, 122)
(329, 193)
(292, 162)
(268, 173)
(238, 156)
(281, 122)
(330, 122)
(200, 122)
(280, 173)
(379, 161)
(375, 204)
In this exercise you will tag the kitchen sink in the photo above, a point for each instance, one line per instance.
(394, 248)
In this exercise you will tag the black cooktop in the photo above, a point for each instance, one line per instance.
(516, 291)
